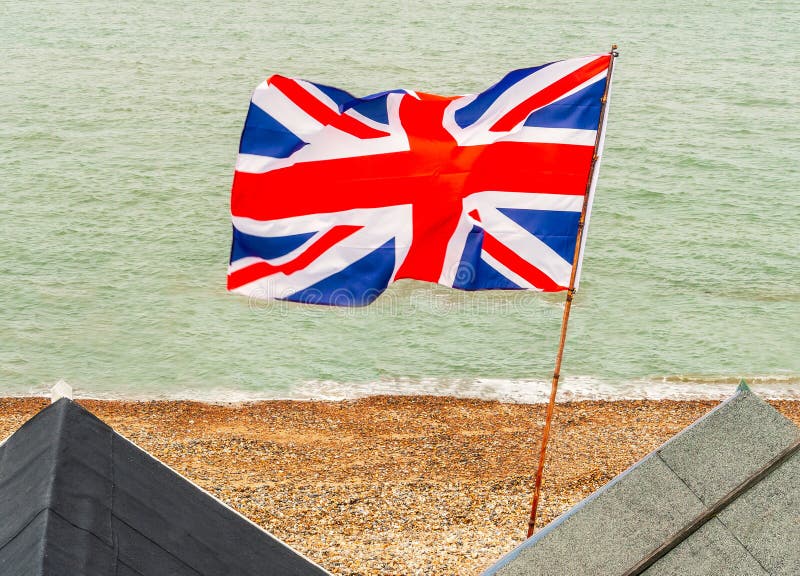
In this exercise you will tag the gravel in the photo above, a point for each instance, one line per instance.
(390, 484)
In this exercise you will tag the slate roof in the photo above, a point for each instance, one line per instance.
(76, 498)
(697, 505)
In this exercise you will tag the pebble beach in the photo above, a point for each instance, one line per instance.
(392, 485)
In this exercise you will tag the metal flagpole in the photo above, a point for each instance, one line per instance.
(568, 304)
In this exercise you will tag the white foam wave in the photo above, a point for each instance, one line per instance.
(538, 391)
(527, 391)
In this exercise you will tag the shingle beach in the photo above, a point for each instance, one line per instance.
(392, 485)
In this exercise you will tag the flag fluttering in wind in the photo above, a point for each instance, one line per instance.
(335, 197)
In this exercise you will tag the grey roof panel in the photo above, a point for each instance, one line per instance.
(21, 554)
(69, 550)
(766, 519)
(711, 551)
(618, 526)
(139, 552)
(609, 533)
(718, 452)
(77, 498)
(27, 464)
(83, 492)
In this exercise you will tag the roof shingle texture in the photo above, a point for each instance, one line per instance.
(78, 498)
(757, 534)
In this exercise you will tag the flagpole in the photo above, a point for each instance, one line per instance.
(568, 304)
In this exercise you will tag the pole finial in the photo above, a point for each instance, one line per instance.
(59, 391)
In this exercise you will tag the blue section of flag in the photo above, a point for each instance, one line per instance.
(374, 107)
(357, 285)
(472, 112)
(488, 278)
(465, 275)
(246, 245)
(265, 136)
(474, 273)
(555, 228)
(580, 110)
(341, 97)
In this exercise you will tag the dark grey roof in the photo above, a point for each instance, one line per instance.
(76, 498)
(733, 477)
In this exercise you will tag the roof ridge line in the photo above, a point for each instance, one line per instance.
(711, 512)
(740, 395)
(742, 391)
(60, 407)
(49, 446)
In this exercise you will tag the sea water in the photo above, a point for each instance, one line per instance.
(119, 127)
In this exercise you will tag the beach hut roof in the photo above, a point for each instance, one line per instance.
(721, 497)
(78, 498)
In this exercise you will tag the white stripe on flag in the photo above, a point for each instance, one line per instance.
(536, 134)
(502, 269)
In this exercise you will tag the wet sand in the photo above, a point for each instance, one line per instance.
(393, 485)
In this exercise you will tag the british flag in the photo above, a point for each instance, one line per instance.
(335, 197)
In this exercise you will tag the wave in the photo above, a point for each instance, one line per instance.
(524, 391)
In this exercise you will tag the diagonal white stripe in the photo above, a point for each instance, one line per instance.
(284, 110)
(527, 246)
(325, 142)
(534, 84)
(515, 95)
(379, 226)
(455, 247)
(318, 94)
(507, 272)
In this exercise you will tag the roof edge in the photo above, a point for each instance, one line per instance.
(239, 514)
(741, 391)
(59, 411)
(42, 501)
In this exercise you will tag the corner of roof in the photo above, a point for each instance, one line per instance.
(559, 520)
(72, 408)
(742, 393)
(54, 413)
(743, 398)
(52, 424)
(69, 411)
(58, 405)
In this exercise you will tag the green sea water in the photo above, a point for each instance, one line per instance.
(119, 127)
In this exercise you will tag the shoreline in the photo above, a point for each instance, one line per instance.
(385, 485)
(505, 390)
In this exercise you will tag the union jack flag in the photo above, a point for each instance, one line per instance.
(334, 197)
